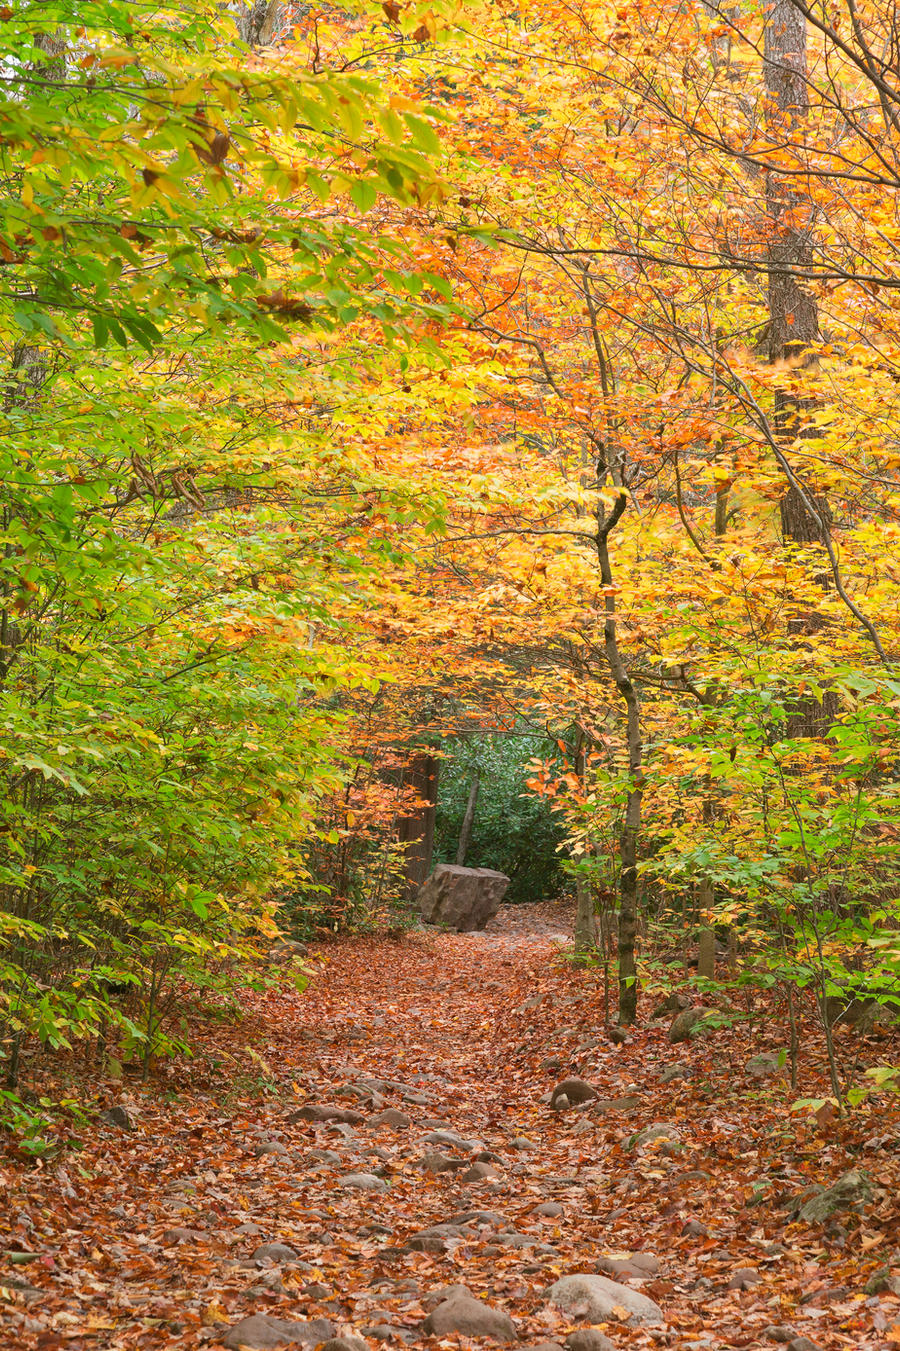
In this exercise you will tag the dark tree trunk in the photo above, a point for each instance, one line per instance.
(416, 828)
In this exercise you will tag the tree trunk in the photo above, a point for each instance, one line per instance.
(416, 828)
(628, 838)
(793, 311)
(465, 833)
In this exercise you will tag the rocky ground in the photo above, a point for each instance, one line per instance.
(377, 1161)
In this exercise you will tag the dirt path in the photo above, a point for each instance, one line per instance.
(146, 1238)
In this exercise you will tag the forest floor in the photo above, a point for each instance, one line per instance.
(146, 1237)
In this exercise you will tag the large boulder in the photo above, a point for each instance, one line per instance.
(597, 1299)
(463, 899)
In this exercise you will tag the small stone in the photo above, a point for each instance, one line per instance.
(391, 1117)
(450, 1140)
(543, 1346)
(179, 1235)
(694, 1229)
(270, 1147)
(479, 1171)
(575, 1091)
(480, 1217)
(316, 1111)
(596, 1298)
(606, 1106)
(439, 1163)
(673, 1003)
(850, 1192)
(364, 1182)
(21, 1286)
(383, 1332)
(640, 1266)
(470, 1317)
(551, 1209)
(344, 1344)
(275, 1252)
(522, 1142)
(883, 1281)
(674, 1072)
(743, 1278)
(762, 1066)
(778, 1333)
(260, 1332)
(688, 1024)
(119, 1116)
(802, 1344)
(589, 1339)
(660, 1130)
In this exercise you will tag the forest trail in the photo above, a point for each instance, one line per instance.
(151, 1237)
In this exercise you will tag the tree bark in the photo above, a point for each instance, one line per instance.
(631, 822)
(415, 829)
(585, 919)
(793, 311)
(465, 833)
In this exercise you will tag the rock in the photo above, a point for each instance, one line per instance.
(688, 1023)
(344, 1344)
(550, 1209)
(364, 1182)
(383, 1332)
(397, 1120)
(435, 1238)
(470, 1317)
(178, 1234)
(450, 1140)
(275, 1252)
(694, 1229)
(320, 1111)
(660, 1130)
(270, 1147)
(848, 1010)
(439, 1163)
(673, 1003)
(770, 1062)
(463, 899)
(479, 1171)
(589, 1339)
(850, 1192)
(606, 1106)
(880, 1282)
(674, 1072)
(743, 1278)
(778, 1333)
(522, 1142)
(119, 1116)
(483, 1217)
(802, 1344)
(596, 1298)
(260, 1332)
(543, 1346)
(21, 1286)
(575, 1091)
(639, 1266)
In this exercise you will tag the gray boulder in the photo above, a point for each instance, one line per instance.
(850, 1192)
(463, 899)
(660, 1130)
(364, 1182)
(470, 1317)
(275, 1252)
(589, 1339)
(688, 1024)
(260, 1332)
(596, 1298)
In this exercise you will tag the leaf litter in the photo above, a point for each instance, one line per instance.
(161, 1235)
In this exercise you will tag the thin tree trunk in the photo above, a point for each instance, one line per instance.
(628, 838)
(465, 833)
